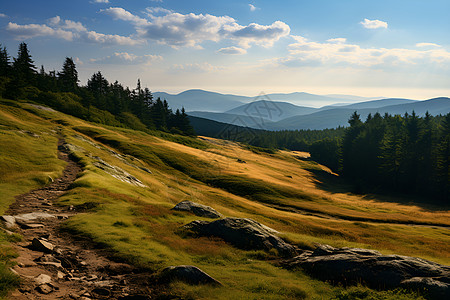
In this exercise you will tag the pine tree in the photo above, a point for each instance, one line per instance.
(23, 66)
(68, 77)
(184, 124)
(349, 162)
(443, 160)
(5, 66)
(99, 87)
(426, 153)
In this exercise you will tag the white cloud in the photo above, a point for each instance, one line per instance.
(252, 7)
(3, 15)
(68, 30)
(337, 40)
(66, 24)
(178, 30)
(100, 1)
(264, 35)
(427, 45)
(124, 58)
(110, 39)
(232, 50)
(373, 24)
(35, 30)
(309, 53)
(152, 11)
(122, 14)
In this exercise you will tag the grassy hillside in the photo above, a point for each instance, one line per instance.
(283, 190)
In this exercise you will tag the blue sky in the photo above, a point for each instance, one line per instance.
(370, 48)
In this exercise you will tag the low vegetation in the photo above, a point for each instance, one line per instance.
(282, 189)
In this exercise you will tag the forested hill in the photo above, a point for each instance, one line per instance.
(407, 154)
(99, 101)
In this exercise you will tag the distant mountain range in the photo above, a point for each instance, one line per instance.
(332, 118)
(193, 100)
(277, 111)
(200, 100)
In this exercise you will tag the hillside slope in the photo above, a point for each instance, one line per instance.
(286, 191)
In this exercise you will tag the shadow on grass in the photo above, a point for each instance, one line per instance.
(335, 184)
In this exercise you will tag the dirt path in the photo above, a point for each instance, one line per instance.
(57, 265)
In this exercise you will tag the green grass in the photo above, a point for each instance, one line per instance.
(138, 225)
(28, 160)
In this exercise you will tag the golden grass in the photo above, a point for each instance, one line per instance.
(139, 225)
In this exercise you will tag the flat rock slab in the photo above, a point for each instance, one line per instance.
(41, 245)
(354, 265)
(24, 219)
(33, 216)
(188, 274)
(243, 233)
(197, 209)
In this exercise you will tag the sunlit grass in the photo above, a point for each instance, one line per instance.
(138, 225)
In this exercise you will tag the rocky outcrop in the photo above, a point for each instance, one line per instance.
(197, 209)
(243, 233)
(188, 274)
(116, 172)
(370, 267)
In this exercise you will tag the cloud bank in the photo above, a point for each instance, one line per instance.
(191, 30)
(337, 52)
(69, 31)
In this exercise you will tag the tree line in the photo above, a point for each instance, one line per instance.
(408, 154)
(391, 153)
(99, 101)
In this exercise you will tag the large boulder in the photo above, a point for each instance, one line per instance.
(243, 233)
(197, 209)
(188, 274)
(354, 265)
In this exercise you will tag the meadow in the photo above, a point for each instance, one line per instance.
(284, 190)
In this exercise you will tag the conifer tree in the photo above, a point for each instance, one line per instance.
(68, 77)
(23, 66)
(443, 160)
(349, 156)
(5, 66)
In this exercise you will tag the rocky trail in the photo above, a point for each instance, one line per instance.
(55, 264)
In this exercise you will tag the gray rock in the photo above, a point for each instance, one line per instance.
(43, 279)
(30, 217)
(41, 245)
(370, 267)
(188, 274)
(10, 221)
(243, 233)
(197, 209)
(436, 288)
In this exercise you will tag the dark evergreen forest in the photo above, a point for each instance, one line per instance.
(99, 101)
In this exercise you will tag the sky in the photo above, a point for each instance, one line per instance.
(367, 48)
